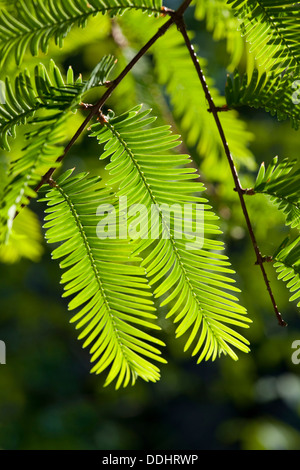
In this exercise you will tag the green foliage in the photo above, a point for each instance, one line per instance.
(26, 239)
(221, 22)
(46, 91)
(32, 94)
(189, 106)
(272, 27)
(111, 292)
(57, 97)
(270, 91)
(281, 182)
(197, 274)
(117, 282)
(287, 264)
(38, 21)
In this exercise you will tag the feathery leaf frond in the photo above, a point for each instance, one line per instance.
(46, 90)
(274, 93)
(59, 98)
(192, 276)
(32, 94)
(273, 28)
(33, 23)
(287, 264)
(281, 182)
(110, 290)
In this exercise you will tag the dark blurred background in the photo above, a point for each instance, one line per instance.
(49, 400)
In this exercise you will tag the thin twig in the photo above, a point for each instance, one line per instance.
(247, 191)
(214, 110)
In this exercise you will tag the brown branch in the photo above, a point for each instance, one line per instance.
(220, 109)
(266, 259)
(248, 191)
(214, 110)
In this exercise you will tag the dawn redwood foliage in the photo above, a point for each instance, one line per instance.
(114, 282)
